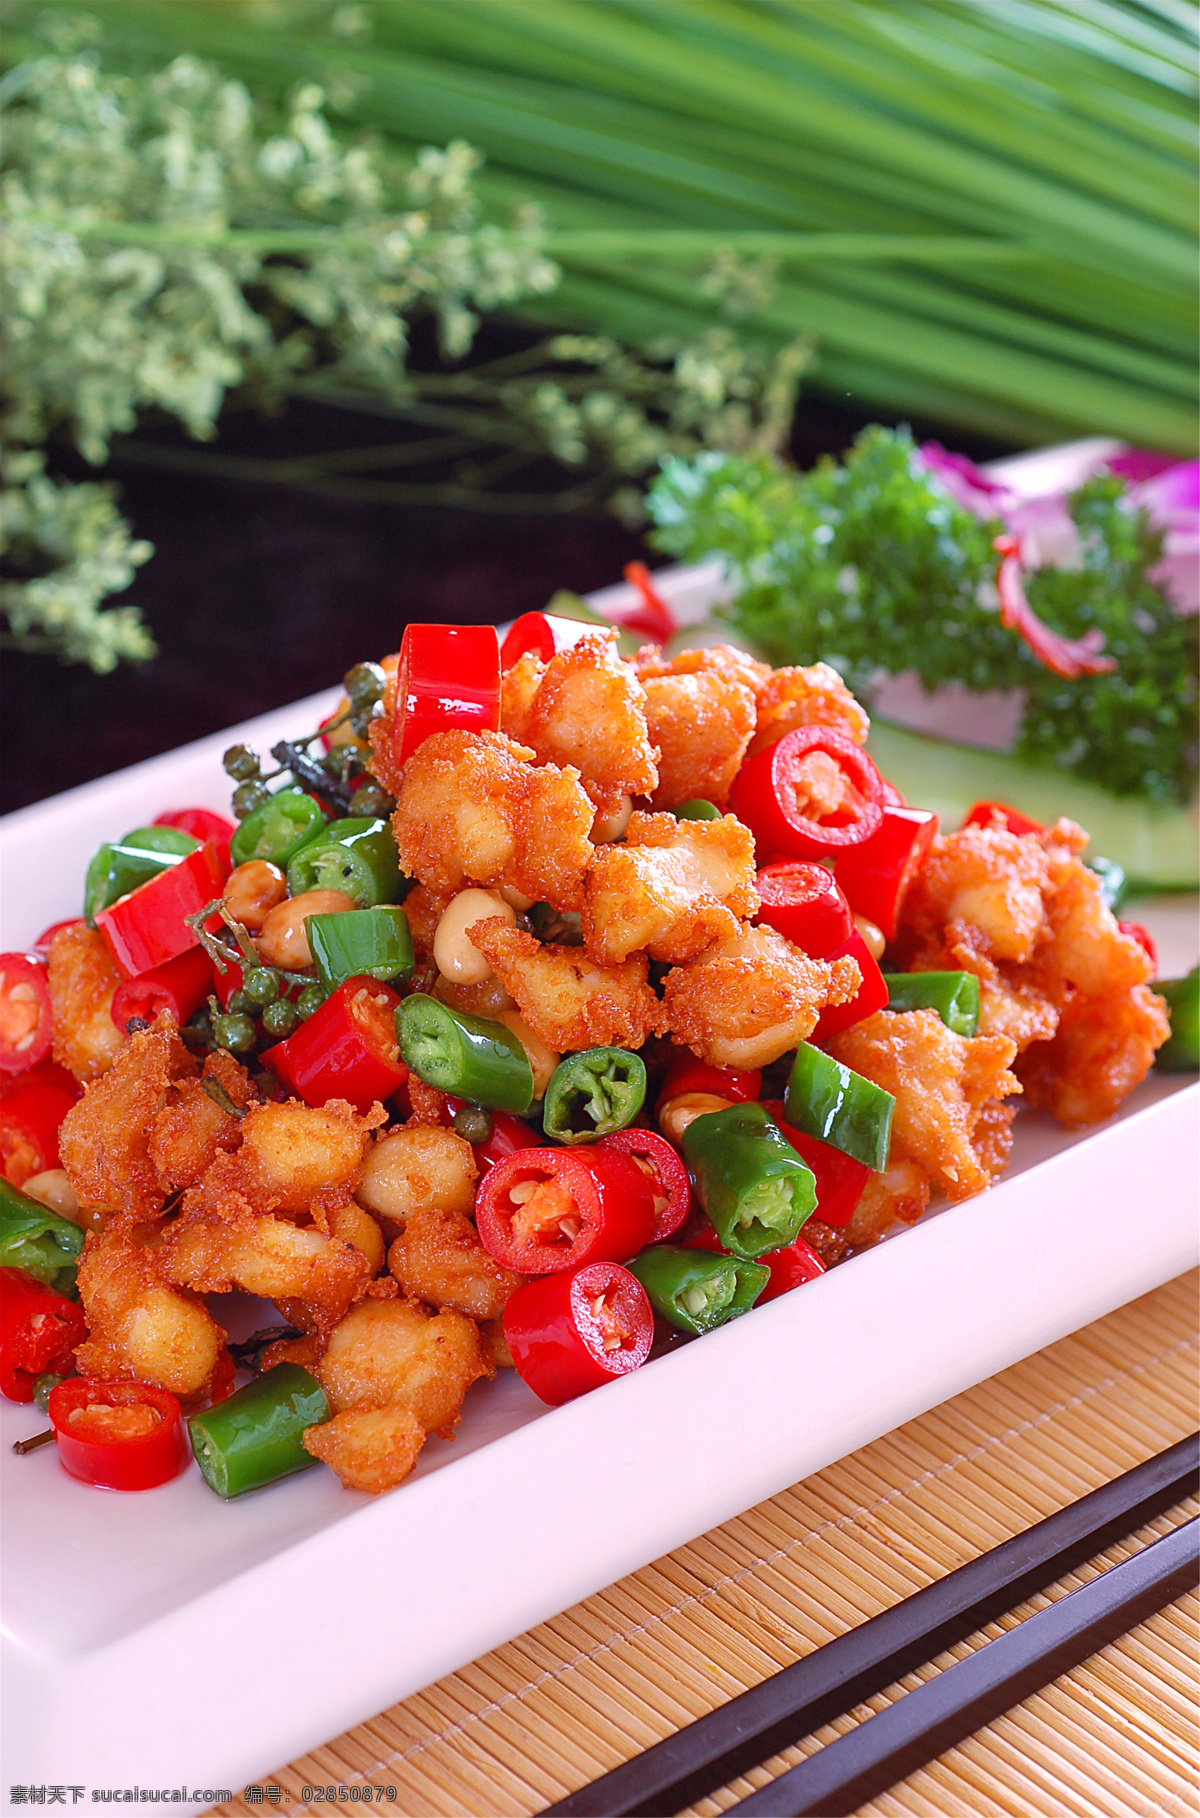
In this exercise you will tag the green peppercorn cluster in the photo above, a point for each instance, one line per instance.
(344, 765)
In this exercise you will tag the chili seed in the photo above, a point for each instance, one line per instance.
(42, 1386)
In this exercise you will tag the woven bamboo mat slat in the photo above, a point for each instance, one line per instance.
(525, 1724)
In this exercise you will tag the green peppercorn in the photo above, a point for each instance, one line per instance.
(235, 1032)
(364, 685)
(259, 986)
(280, 1018)
(42, 1386)
(249, 796)
(310, 1001)
(242, 764)
(370, 799)
(241, 1003)
(473, 1123)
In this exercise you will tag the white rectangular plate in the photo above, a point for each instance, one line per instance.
(128, 1622)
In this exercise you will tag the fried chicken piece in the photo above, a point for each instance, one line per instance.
(391, 1353)
(1057, 975)
(190, 1129)
(82, 979)
(985, 878)
(673, 888)
(700, 714)
(748, 999)
(1103, 1048)
(650, 661)
(350, 1224)
(439, 1259)
(414, 1167)
(213, 1248)
(472, 809)
(584, 708)
(371, 1449)
(992, 1135)
(1010, 1003)
(817, 696)
(898, 1196)
(940, 1082)
(567, 1000)
(292, 1157)
(393, 1373)
(1085, 946)
(139, 1327)
(106, 1140)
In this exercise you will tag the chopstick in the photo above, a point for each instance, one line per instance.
(834, 1678)
(927, 1721)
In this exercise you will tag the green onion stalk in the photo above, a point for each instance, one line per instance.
(984, 215)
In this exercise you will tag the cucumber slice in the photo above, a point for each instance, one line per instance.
(1155, 842)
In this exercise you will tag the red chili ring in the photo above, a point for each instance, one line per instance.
(111, 1461)
(604, 1194)
(569, 1333)
(763, 802)
(648, 1147)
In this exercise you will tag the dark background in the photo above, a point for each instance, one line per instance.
(261, 593)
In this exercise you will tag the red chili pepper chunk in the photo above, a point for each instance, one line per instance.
(118, 1435)
(346, 1049)
(179, 986)
(543, 635)
(804, 902)
(871, 995)
(30, 1119)
(39, 1331)
(449, 677)
(26, 1015)
(149, 926)
(812, 795)
(666, 1173)
(876, 875)
(569, 1333)
(201, 823)
(540, 1211)
(688, 1074)
(992, 814)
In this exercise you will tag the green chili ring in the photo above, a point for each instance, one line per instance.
(594, 1094)
(467, 1056)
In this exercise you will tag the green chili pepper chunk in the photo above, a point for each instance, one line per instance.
(753, 1185)
(357, 856)
(697, 810)
(838, 1106)
(37, 1240)
(254, 1437)
(1180, 1053)
(695, 1289)
(594, 1094)
(120, 866)
(467, 1056)
(954, 995)
(361, 943)
(276, 831)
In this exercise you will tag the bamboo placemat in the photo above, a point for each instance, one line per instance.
(536, 1718)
